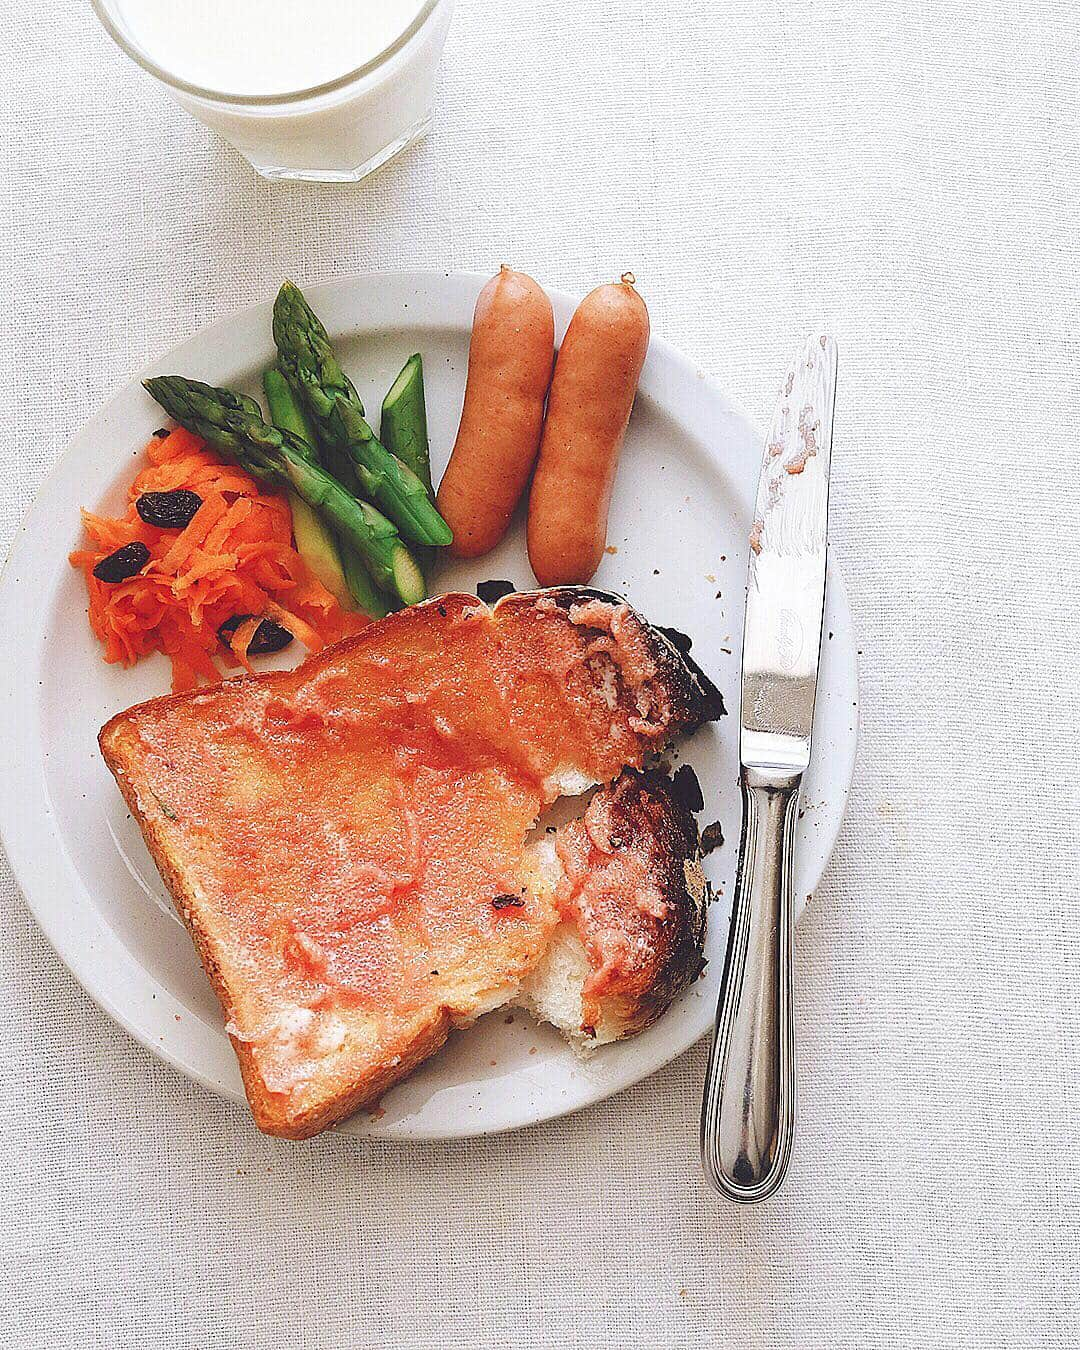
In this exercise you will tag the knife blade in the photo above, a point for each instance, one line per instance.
(748, 1105)
(786, 583)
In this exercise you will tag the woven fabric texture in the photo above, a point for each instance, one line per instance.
(906, 173)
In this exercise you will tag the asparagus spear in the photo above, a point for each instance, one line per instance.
(308, 361)
(403, 428)
(286, 412)
(314, 542)
(234, 424)
(332, 560)
(362, 588)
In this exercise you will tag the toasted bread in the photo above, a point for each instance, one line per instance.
(345, 841)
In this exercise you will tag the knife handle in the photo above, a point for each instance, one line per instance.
(748, 1111)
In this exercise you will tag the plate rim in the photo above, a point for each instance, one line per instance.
(95, 966)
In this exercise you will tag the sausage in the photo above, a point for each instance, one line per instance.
(592, 392)
(511, 353)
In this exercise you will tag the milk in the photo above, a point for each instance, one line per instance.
(264, 47)
(320, 89)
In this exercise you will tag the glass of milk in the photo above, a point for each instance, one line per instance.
(324, 90)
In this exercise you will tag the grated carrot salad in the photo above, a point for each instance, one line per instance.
(235, 557)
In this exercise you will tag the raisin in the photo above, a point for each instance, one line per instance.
(269, 636)
(490, 591)
(126, 562)
(229, 627)
(168, 510)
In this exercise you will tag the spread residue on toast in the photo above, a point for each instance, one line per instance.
(630, 649)
(606, 864)
(293, 1041)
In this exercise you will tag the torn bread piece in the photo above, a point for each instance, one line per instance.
(630, 893)
(345, 841)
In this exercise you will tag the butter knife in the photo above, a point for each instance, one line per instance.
(748, 1110)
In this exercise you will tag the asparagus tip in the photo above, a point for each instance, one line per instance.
(440, 532)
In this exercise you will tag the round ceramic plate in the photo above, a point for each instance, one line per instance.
(678, 533)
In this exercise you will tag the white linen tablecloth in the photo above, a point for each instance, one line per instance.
(907, 173)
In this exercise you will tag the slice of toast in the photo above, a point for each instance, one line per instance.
(345, 841)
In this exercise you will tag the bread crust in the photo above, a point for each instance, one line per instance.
(690, 700)
(272, 1116)
(647, 806)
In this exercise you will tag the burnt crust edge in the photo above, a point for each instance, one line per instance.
(648, 801)
(694, 696)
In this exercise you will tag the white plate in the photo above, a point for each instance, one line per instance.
(679, 525)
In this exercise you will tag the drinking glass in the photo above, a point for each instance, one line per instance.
(336, 131)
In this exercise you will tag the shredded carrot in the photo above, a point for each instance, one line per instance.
(309, 636)
(241, 641)
(235, 557)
